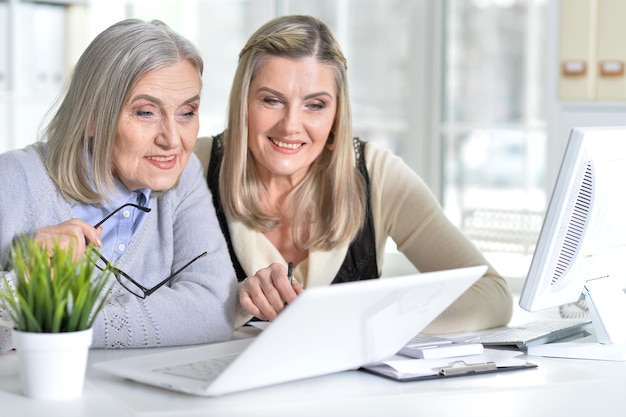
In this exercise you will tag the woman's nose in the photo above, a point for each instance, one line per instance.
(292, 120)
(169, 135)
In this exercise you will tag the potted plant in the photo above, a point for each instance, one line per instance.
(52, 300)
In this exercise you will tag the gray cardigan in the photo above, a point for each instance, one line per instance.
(196, 307)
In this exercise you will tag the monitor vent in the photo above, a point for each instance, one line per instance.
(575, 225)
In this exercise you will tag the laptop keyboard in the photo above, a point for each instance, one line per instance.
(205, 370)
(522, 336)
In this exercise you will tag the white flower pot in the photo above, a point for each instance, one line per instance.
(52, 366)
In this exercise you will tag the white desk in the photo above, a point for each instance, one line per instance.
(558, 387)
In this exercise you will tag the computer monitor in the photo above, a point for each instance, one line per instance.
(581, 250)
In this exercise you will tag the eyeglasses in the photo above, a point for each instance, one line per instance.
(122, 277)
(111, 214)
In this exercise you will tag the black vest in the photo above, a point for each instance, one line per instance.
(360, 261)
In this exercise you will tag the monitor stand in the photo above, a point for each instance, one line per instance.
(607, 307)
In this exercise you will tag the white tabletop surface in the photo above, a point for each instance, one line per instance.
(557, 387)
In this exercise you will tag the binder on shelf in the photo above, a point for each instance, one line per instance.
(611, 54)
(576, 51)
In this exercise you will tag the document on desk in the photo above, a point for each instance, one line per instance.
(491, 360)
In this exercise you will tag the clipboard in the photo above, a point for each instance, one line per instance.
(452, 367)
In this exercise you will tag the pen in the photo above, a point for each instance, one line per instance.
(290, 272)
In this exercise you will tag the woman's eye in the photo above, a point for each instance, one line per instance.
(271, 100)
(317, 106)
(147, 111)
(187, 112)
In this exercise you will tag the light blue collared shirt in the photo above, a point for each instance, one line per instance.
(119, 229)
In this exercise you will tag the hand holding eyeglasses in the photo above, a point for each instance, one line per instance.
(73, 233)
(79, 234)
(76, 233)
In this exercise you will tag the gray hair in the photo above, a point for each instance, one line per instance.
(81, 132)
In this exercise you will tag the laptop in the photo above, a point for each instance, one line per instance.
(325, 330)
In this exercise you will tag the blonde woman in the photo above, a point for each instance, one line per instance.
(291, 185)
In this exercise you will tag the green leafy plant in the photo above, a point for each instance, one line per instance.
(53, 294)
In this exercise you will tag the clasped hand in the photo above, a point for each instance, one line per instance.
(266, 293)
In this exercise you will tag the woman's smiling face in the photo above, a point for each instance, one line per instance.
(291, 110)
(158, 128)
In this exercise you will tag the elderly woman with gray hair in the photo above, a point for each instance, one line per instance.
(115, 168)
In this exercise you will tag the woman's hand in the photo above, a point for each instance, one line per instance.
(265, 293)
(73, 233)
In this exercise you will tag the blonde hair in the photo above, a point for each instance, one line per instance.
(329, 205)
(81, 132)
